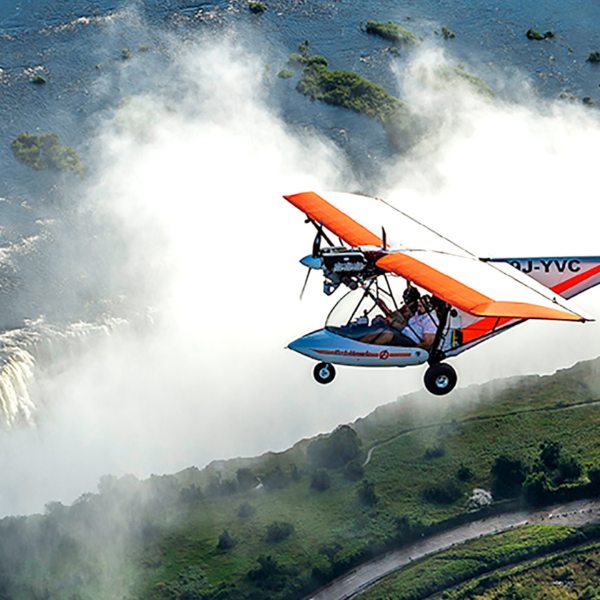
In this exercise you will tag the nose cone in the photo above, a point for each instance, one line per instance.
(306, 344)
(312, 262)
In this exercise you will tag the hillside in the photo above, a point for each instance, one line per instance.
(282, 524)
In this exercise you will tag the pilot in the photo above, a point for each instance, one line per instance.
(419, 331)
(422, 326)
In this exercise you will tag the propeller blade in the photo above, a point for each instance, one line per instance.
(317, 243)
(305, 282)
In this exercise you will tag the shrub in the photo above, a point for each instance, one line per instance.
(508, 475)
(463, 473)
(448, 33)
(285, 74)
(335, 450)
(246, 479)
(594, 57)
(278, 531)
(275, 479)
(226, 542)
(436, 452)
(354, 471)
(569, 469)
(550, 454)
(321, 480)
(443, 493)
(297, 60)
(594, 477)
(537, 487)
(366, 493)
(191, 495)
(258, 8)
(246, 510)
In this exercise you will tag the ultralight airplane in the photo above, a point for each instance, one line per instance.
(386, 321)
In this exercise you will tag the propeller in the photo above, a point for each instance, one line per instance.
(313, 260)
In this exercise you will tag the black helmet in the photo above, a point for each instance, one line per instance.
(411, 295)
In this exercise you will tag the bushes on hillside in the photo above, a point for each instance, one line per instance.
(442, 493)
(366, 493)
(508, 475)
(320, 481)
(335, 450)
(278, 531)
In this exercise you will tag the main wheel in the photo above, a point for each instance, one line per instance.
(440, 379)
(324, 373)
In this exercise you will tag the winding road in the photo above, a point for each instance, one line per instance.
(577, 513)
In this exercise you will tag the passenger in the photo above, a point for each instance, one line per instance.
(419, 331)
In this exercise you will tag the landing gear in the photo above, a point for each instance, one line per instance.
(324, 373)
(440, 379)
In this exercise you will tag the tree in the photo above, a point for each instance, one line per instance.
(443, 493)
(246, 479)
(335, 450)
(354, 471)
(278, 531)
(320, 481)
(463, 473)
(537, 487)
(594, 477)
(508, 475)
(569, 469)
(246, 510)
(550, 454)
(366, 493)
(226, 542)
(330, 551)
(275, 479)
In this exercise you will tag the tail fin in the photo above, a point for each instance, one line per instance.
(566, 276)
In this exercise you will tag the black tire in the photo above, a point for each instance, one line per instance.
(324, 373)
(440, 379)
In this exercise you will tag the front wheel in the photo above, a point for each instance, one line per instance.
(440, 379)
(324, 373)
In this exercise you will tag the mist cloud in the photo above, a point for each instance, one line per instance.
(189, 178)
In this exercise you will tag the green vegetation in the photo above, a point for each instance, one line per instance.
(594, 57)
(457, 75)
(45, 152)
(534, 34)
(38, 79)
(285, 74)
(255, 528)
(564, 575)
(448, 34)
(435, 573)
(392, 31)
(126, 53)
(350, 90)
(258, 8)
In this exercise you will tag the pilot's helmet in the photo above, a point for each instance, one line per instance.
(410, 296)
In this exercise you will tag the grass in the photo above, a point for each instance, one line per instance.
(567, 575)
(450, 567)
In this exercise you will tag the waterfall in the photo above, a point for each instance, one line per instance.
(39, 347)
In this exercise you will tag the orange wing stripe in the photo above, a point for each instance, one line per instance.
(463, 297)
(443, 286)
(522, 310)
(338, 222)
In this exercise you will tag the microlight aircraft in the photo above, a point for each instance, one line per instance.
(471, 299)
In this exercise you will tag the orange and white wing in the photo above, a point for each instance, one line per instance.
(478, 288)
(444, 269)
